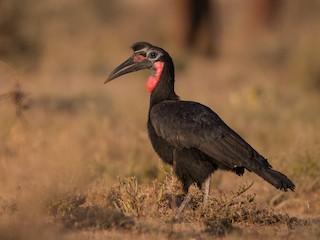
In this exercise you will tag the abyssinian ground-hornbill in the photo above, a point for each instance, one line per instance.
(188, 135)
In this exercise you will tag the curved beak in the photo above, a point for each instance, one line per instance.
(128, 66)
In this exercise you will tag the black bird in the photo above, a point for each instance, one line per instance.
(188, 135)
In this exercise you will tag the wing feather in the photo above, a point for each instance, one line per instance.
(186, 124)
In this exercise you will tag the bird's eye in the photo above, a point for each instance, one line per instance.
(152, 55)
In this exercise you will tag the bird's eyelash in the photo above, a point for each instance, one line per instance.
(140, 53)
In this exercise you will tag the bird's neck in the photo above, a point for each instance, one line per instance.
(165, 87)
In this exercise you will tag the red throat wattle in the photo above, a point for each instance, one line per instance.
(153, 80)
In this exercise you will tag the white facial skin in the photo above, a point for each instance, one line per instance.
(153, 55)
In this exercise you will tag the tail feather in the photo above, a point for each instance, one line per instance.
(276, 179)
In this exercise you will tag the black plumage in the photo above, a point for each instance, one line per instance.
(188, 135)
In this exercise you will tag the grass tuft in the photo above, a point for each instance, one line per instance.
(71, 210)
(128, 206)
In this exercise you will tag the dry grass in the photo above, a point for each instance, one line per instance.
(66, 165)
(130, 207)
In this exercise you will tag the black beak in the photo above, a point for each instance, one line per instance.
(128, 66)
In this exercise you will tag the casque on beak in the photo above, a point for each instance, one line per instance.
(130, 65)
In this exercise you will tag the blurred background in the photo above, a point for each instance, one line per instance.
(255, 62)
(89, 36)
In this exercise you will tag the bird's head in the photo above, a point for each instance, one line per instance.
(145, 56)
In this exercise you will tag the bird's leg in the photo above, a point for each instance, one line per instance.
(206, 188)
(186, 199)
(184, 203)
